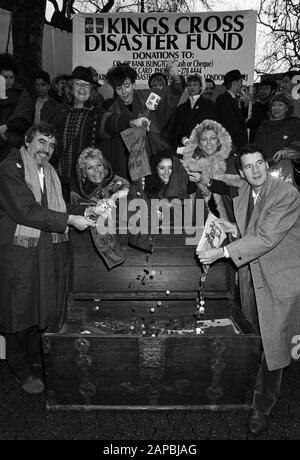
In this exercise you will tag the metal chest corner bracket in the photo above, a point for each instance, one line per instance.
(84, 361)
(215, 391)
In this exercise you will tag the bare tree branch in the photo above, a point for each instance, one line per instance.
(114, 6)
(108, 6)
(281, 19)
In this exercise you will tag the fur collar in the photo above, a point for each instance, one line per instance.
(213, 166)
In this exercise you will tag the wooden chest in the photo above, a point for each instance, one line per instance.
(132, 340)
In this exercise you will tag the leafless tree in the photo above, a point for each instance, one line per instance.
(28, 21)
(141, 6)
(281, 23)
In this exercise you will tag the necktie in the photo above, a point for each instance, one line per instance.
(250, 208)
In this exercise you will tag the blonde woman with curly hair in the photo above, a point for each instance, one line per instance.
(208, 161)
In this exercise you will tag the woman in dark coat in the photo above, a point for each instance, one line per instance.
(83, 125)
(279, 137)
(95, 179)
(168, 179)
(96, 184)
(161, 193)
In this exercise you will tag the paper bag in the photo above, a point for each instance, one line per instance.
(213, 234)
(109, 247)
(138, 163)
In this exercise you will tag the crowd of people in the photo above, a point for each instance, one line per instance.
(63, 163)
(77, 111)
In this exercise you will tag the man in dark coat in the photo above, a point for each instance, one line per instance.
(33, 244)
(227, 109)
(45, 105)
(190, 113)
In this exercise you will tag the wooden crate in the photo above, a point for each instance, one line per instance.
(101, 359)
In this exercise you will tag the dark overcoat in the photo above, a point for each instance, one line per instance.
(230, 116)
(33, 279)
(275, 135)
(17, 113)
(186, 118)
(115, 150)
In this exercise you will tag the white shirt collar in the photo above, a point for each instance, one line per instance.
(232, 94)
(194, 99)
(41, 177)
(255, 195)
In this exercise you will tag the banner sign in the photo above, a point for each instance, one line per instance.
(207, 43)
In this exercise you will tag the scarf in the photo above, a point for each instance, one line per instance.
(27, 236)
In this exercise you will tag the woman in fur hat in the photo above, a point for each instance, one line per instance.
(205, 158)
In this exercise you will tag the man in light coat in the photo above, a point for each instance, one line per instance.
(268, 243)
